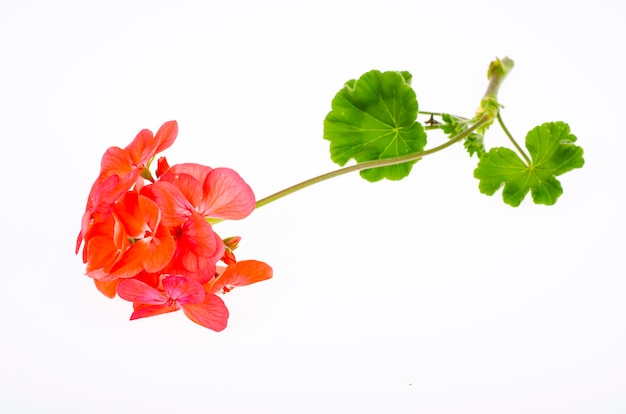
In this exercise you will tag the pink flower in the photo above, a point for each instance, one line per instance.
(178, 292)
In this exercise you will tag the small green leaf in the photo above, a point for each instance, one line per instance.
(374, 118)
(552, 151)
(454, 125)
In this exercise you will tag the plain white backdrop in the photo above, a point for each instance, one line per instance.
(419, 296)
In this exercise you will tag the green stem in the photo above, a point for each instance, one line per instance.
(482, 122)
(517, 146)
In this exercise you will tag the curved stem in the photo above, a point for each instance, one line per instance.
(482, 121)
(508, 134)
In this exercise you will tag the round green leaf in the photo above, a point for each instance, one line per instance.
(374, 118)
(552, 150)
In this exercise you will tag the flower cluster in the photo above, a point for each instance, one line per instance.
(151, 240)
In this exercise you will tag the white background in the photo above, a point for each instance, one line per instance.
(419, 296)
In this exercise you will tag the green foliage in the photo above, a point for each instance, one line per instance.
(552, 152)
(373, 121)
(374, 118)
(454, 125)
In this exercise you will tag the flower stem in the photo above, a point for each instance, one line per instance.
(482, 122)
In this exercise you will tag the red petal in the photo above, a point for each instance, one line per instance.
(109, 191)
(183, 290)
(130, 215)
(151, 279)
(198, 236)
(142, 148)
(160, 250)
(138, 292)
(226, 196)
(198, 249)
(152, 310)
(150, 213)
(197, 171)
(166, 135)
(105, 247)
(132, 262)
(211, 313)
(175, 207)
(188, 185)
(115, 161)
(102, 197)
(242, 273)
(108, 289)
(101, 252)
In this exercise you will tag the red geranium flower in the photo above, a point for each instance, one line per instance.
(152, 246)
(152, 242)
(129, 163)
(105, 247)
(189, 193)
(120, 169)
(178, 292)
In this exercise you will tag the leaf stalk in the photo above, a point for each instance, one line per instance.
(515, 144)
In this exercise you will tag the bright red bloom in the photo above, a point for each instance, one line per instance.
(152, 245)
(131, 241)
(178, 292)
(120, 170)
(131, 160)
(105, 247)
(185, 194)
(198, 248)
(151, 241)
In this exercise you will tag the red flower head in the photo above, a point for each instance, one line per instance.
(153, 244)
